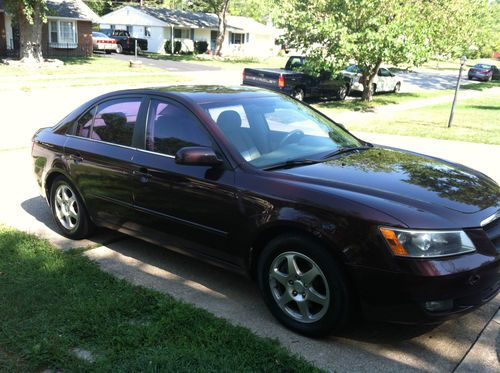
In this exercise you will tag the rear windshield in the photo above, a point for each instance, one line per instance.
(99, 35)
(482, 66)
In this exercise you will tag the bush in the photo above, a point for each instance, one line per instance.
(177, 46)
(200, 47)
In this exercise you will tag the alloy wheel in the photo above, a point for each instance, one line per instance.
(66, 207)
(299, 287)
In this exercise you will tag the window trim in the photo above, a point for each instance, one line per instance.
(140, 121)
(60, 45)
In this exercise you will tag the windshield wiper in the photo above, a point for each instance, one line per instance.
(345, 149)
(291, 163)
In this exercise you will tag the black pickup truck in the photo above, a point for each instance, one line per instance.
(296, 83)
(126, 43)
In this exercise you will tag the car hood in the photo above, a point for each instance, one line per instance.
(411, 179)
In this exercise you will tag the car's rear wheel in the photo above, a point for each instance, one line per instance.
(397, 87)
(68, 210)
(303, 285)
(108, 51)
(298, 94)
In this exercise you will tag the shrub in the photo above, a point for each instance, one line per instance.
(200, 47)
(177, 46)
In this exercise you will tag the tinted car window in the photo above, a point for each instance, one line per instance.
(84, 124)
(115, 120)
(172, 127)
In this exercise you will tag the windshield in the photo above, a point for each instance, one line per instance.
(272, 130)
(352, 69)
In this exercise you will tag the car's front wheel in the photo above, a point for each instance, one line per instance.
(68, 210)
(119, 49)
(303, 285)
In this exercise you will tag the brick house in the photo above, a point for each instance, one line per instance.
(68, 31)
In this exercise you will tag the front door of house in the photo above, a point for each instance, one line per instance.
(213, 40)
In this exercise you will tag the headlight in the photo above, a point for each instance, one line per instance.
(427, 244)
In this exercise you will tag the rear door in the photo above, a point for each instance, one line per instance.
(99, 155)
(194, 208)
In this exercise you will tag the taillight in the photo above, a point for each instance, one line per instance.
(281, 81)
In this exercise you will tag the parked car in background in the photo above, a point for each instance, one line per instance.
(482, 71)
(293, 82)
(259, 183)
(103, 43)
(126, 43)
(384, 81)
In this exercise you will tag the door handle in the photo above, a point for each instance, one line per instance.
(77, 158)
(142, 174)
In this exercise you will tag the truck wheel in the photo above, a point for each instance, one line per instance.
(298, 94)
(342, 93)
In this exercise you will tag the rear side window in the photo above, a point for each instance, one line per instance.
(172, 127)
(115, 121)
(84, 124)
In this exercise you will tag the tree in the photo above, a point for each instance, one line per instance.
(220, 8)
(100, 7)
(260, 10)
(29, 16)
(334, 32)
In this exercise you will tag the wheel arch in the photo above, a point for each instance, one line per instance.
(266, 234)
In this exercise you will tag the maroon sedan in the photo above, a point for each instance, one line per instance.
(259, 183)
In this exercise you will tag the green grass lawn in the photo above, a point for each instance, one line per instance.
(233, 63)
(53, 302)
(355, 103)
(97, 70)
(475, 120)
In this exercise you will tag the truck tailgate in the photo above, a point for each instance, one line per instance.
(266, 78)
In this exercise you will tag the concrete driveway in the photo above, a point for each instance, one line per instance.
(169, 65)
(366, 347)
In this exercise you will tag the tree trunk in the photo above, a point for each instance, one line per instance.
(367, 81)
(221, 15)
(30, 36)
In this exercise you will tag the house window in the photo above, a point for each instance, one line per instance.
(182, 33)
(237, 38)
(63, 34)
(147, 31)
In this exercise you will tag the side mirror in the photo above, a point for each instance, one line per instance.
(197, 156)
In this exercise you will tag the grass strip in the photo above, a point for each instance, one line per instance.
(54, 302)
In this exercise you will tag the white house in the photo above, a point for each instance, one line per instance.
(244, 36)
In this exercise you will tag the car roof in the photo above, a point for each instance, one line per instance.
(201, 94)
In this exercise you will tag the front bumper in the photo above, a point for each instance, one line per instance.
(411, 296)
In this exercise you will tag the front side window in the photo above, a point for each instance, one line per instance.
(115, 121)
(172, 127)
(276, 129)
(237, 38)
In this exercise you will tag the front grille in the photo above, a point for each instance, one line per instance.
(493, 232)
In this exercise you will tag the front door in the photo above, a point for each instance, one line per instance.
(213, 41)
(193, 207)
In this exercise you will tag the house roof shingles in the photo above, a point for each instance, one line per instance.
(181, 17)
(75, 9)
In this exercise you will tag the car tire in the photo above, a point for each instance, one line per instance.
(298, 94)
(69, 211)
(374, 88)
(312, 305)
(488, 79)
(119, 49)
(342, 93)
(109, 52)
(397, 87)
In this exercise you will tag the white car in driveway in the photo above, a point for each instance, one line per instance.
(384, 81)
(104, 43)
